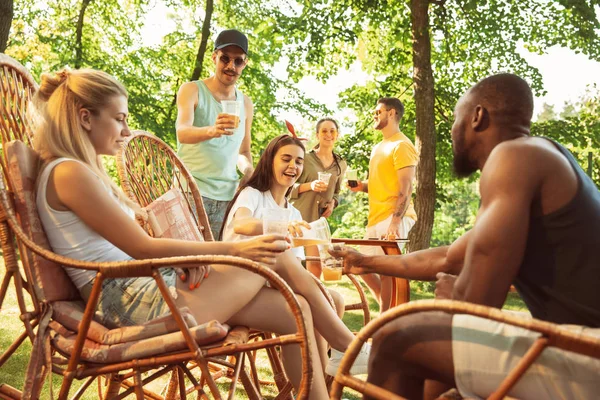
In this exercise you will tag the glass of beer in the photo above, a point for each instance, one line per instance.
(352, 177)
(319, 233)
(332, 267)
(232, 107)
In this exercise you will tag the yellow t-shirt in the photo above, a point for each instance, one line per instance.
(387, 157)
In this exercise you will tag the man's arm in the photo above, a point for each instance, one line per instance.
(406, 177)
(187, 101)
(495, 252)
(421, 265)
(244, 163)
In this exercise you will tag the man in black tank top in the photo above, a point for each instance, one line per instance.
(538, 227)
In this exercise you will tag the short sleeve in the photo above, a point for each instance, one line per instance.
(405, 155)
(249, 198)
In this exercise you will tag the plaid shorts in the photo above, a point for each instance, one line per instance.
(484, 351)
(131, 301)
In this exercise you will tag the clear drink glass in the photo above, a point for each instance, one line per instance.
(352, 177)
(331, 266)
(324, 177)
(276, 221)
(232, 107)
(319, 233)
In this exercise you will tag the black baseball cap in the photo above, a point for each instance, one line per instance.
(231, 37)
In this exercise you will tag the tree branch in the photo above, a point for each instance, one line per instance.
(203, 41)
(79, 34)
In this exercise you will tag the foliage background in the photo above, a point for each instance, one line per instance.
(469, 40)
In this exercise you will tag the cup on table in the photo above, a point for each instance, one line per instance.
(276, 221)
(331, 266)
(324, 177)
(352, 177)
(232, 107)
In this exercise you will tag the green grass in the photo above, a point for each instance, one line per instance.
(13, 372)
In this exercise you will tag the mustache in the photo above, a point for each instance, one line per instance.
(230, 71)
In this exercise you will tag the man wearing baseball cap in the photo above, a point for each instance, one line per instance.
(210, 142)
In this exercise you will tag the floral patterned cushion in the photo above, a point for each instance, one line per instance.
(70, 313)
(63, 339)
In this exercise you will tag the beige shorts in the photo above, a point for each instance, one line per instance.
(380, 229)
(485, 351)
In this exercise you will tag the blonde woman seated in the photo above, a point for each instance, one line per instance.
(83, 116)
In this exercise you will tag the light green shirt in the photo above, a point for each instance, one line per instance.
(213, 162)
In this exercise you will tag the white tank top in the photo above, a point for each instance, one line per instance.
(69, 236)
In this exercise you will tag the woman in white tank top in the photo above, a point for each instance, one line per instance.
(84, 115)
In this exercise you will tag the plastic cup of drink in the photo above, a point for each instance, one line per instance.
(331, 266)
(324, 177)
(319, 233)
(276, 221)
(352, 177)
(232, 107)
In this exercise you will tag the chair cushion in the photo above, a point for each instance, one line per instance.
(64, 340)
(70, 313)
(169, 217)
(51, 282)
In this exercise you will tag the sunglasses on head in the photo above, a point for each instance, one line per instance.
(237, 61)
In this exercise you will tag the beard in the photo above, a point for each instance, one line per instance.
(380, 124)
(461, 164)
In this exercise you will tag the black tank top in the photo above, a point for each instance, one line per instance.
(559, 278)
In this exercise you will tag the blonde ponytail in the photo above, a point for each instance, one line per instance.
(58, 131)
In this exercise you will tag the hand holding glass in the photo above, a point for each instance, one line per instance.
(232, 107)
(318, 233)
(276, 221)
(352, 177)
(332, 267)
(324, 177)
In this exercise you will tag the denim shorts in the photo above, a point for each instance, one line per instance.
(215, 211)
(131, 301)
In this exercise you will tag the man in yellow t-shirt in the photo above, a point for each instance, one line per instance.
(390, 184)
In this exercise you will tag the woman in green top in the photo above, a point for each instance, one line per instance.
(311, 196)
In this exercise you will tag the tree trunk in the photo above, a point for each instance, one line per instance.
(6, 16)
(420, 235)
(204, 40)
(79, 34)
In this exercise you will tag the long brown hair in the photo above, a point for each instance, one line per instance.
(263, 176)
(336, 157)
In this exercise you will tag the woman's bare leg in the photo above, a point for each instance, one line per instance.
(314, 267)
(215, 298)
(325, 319)
(268, 311)
(373, 282)
(322, 345)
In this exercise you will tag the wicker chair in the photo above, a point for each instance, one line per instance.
(147, 168)
(551, 335)
(16, 90)
(84, 349)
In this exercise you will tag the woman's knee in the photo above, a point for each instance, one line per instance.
(289, 324)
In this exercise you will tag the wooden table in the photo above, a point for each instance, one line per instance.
(399, 288)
